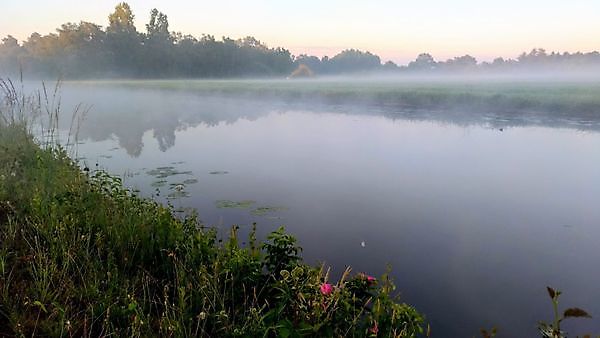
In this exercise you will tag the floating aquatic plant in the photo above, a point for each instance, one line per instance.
(219, 172)
(227, 204)
(177, 186)
(178, 194)
(263, 211)
(158, 184)
(164, 172)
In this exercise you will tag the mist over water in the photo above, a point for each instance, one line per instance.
(478, 202)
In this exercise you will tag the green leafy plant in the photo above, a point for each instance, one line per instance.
(489, 334)
(553, 330)
(281, 251)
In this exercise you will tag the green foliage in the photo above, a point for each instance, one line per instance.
(121, 20)
(281, 251)
(82, 256)
(85, 50)
(489, 334)
(553, 330)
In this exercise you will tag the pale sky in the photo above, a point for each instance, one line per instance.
(395, 30)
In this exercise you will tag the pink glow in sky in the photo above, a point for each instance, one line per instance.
(395, 30)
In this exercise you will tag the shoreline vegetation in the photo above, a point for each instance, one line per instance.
(82, 256)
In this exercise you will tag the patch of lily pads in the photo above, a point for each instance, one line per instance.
(265, 211)
(164, 172)
(178, 194)
(158, 184)
(176, 189)
(227, 204)
(177, 186)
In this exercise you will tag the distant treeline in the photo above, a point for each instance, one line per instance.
(87, 50)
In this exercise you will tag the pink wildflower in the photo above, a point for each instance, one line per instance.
(369, 279)
(326, 289)
(375, 329)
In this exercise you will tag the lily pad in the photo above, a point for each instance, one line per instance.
(227, 204)
(219, 172)
(263, 211)
(158, 184)
(177, 186)
(178, 194)
(164, 172)
(190, 181)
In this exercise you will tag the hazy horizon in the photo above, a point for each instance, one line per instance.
(401, 32)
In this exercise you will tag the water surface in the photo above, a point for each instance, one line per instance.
(476, 213)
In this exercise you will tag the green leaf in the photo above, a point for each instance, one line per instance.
(40, 305)
(576, 312)
(286, 328)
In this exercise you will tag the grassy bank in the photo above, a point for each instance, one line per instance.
(82, 256)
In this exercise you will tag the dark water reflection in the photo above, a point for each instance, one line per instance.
(475, 221)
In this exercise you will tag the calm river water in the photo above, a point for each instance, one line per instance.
(474, 221)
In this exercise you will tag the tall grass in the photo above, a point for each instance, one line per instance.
(39, 113)
(82, 256)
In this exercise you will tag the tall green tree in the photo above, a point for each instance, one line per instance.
(10, 55)
(158, 48)
(121, 20)
(123, 41)
(82, 49)
(41, 55)
(158, 27)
